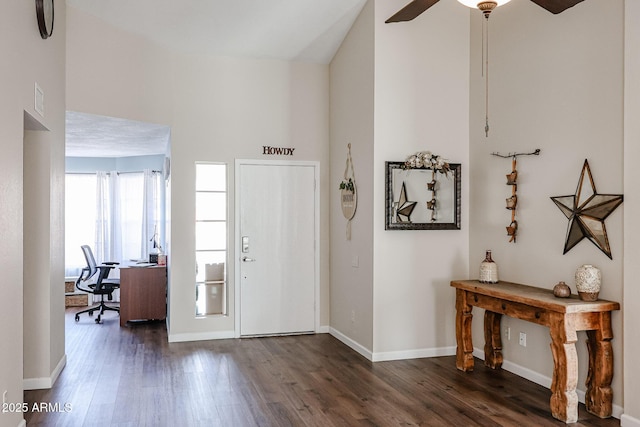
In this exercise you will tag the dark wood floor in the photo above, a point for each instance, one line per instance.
(133, 377)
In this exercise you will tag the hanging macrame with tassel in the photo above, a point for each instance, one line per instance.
(348, 192)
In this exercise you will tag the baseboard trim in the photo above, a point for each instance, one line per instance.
(627, 421)
(222, 335)
(201, 336)
(56, 372)
(45, 382)
(351, 343)
(414, 354)
(543, 380)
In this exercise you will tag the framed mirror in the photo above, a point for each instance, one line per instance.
(419, 199)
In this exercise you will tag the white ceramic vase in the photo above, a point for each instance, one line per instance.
(588, 280)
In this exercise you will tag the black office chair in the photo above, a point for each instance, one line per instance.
(100, 285)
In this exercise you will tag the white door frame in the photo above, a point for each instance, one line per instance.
(316, 232)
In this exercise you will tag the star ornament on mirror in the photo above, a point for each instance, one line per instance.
(586, 211)
(403, 208)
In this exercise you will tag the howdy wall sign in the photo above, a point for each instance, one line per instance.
(277, 151)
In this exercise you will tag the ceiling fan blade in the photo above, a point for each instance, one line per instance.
(556, 6)
(411, 11)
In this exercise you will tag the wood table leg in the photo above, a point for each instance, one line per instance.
(464, 349)
(492, 340)
(564, 399)
(599, 396)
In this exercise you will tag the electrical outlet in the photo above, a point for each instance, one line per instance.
(507, 334)
(523, 339)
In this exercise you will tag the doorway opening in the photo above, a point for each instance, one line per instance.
(116, 185)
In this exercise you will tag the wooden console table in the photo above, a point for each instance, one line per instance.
(143, 293)
(564, 317)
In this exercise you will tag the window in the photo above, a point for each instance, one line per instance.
(80, 199)
(211, 238)
(116, 214)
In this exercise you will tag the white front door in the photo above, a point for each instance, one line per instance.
(276, 247)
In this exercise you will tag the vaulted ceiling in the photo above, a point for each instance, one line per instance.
(292, 30)
(302, 30)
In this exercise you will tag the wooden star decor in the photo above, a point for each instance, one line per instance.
(404, 207)
(586, 211)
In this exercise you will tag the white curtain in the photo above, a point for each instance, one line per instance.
(115, 233)
(103, 236)
(107, 222)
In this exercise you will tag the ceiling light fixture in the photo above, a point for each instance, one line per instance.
(486, 7)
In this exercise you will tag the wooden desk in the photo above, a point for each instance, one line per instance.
(143, 293)
(564, 317)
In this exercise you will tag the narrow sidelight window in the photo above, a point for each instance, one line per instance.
(211, 239)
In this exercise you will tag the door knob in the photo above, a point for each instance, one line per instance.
(247, 259)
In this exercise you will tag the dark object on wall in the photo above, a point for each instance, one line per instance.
(586, 211)
(512, 180)
(45, 15)
(348, 192)
(400, 213)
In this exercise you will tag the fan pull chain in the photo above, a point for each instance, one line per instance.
(486, 82)
(483, 52)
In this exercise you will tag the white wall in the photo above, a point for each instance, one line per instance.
(397, 89)
(43, 216)
(352, 105)
(227, 109)
(26, 59)
(556, 83)
(631, 302)
(113, 73)
(421, 103)
(219, 109)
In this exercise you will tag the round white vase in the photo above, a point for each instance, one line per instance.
(588, 281)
